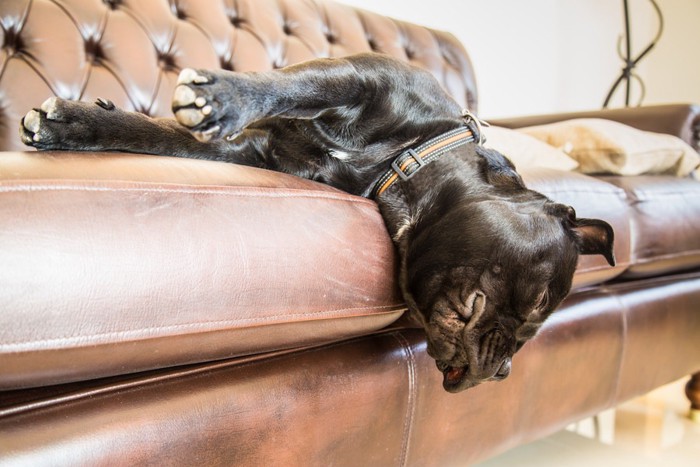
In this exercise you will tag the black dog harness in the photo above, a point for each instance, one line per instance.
(409, 162)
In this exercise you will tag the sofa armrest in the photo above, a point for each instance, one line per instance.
(682, 120)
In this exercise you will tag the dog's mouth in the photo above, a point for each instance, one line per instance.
(456, 379)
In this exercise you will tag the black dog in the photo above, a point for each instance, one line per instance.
(484, 260)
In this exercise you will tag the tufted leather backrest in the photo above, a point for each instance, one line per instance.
(131, 51)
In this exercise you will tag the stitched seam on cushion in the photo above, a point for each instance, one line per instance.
(657, 281)
(682, 254)
(644, 195)
(604, 267)
(136, 333)
(248, 192)
(198, 370)
(676, 152)
(411, 401)
(615, 191)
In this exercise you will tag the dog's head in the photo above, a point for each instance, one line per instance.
(484, 269)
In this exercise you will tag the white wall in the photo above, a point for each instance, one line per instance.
(672, 73)
(544, 56)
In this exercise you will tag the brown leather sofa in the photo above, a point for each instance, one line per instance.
(163, 311)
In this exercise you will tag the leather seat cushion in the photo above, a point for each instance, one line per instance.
(665, 221)
(115, 264)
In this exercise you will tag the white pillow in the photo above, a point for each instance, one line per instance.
(605, 146)
(526, 151)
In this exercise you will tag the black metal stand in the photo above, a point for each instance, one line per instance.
(627, 73)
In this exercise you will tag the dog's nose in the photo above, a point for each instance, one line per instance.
(504, 370)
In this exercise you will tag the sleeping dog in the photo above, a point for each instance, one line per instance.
(484, 260)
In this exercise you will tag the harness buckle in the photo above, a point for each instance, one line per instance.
(469, 117)
(400, 172)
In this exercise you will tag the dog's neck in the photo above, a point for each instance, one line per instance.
(402, 202)
(407, 201)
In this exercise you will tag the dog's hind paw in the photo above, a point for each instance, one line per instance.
(208, 104)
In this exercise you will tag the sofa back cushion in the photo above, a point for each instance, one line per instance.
(131, 51)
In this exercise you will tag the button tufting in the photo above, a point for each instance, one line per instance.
(113, 4)
(236, 21)
(13, 41)
(226, 65)
(287, 29)
(372, 44)
(93, 50)
(166, 61)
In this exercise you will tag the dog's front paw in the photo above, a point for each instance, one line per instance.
(59, 124)
(207, 104)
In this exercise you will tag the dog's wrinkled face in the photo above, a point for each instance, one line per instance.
(483, 276)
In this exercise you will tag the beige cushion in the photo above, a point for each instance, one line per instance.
(526, 151)
(604, 146)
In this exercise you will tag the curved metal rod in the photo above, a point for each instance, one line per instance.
(630, 63)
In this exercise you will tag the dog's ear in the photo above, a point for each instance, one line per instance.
(499, 171)
(594, 237)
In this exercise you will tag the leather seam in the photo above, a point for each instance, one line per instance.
(94, 339)
(615, 192)
(651, 195)
(237, 191)
(619, 265)
(624, 309)
(411, 400)
(651, 259)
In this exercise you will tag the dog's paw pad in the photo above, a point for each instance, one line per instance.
(184, 95)
(191, 109)
(189, 76)
(32, 121)
(208, 104)
(189, 117)
(50, 107)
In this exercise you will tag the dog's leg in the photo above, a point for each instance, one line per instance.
(61, 124)
(216, 104)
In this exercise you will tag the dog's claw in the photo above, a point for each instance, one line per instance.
(205, 136)
(105, 103)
